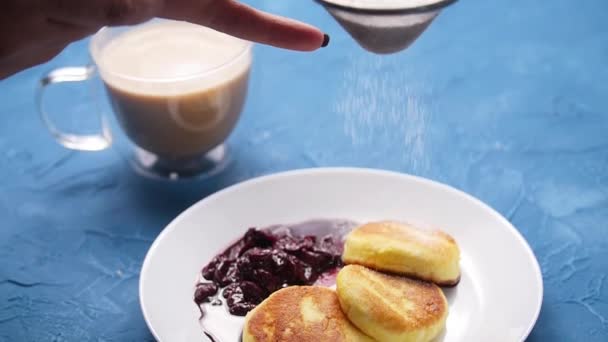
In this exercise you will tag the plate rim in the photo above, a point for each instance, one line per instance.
(174, 223)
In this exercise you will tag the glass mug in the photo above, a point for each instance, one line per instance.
(177, 91)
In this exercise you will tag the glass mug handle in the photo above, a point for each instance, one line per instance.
(81, 142)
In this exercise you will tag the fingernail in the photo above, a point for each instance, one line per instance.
(325, 40)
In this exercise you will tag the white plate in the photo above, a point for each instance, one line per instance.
(498, 298)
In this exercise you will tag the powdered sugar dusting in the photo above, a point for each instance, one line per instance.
(381, 108)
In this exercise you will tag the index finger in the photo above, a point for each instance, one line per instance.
(245, 22)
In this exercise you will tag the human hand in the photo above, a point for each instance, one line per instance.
(34, 31)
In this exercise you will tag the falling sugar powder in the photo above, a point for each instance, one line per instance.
(382, 112)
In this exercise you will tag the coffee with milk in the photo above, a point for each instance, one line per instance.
(176, 88)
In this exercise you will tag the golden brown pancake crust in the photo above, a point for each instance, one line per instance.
(412, 276)
(301, 313)
(436, 240)
(426, 301)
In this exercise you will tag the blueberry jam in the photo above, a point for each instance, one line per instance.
(264, 261)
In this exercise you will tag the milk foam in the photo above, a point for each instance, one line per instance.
(164, 58)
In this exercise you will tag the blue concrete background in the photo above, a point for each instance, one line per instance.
(504, 99)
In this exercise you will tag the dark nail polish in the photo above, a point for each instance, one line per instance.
(325, 40)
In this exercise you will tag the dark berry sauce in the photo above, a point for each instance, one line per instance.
(264, 261)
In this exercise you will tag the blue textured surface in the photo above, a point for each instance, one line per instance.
(504, 99)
